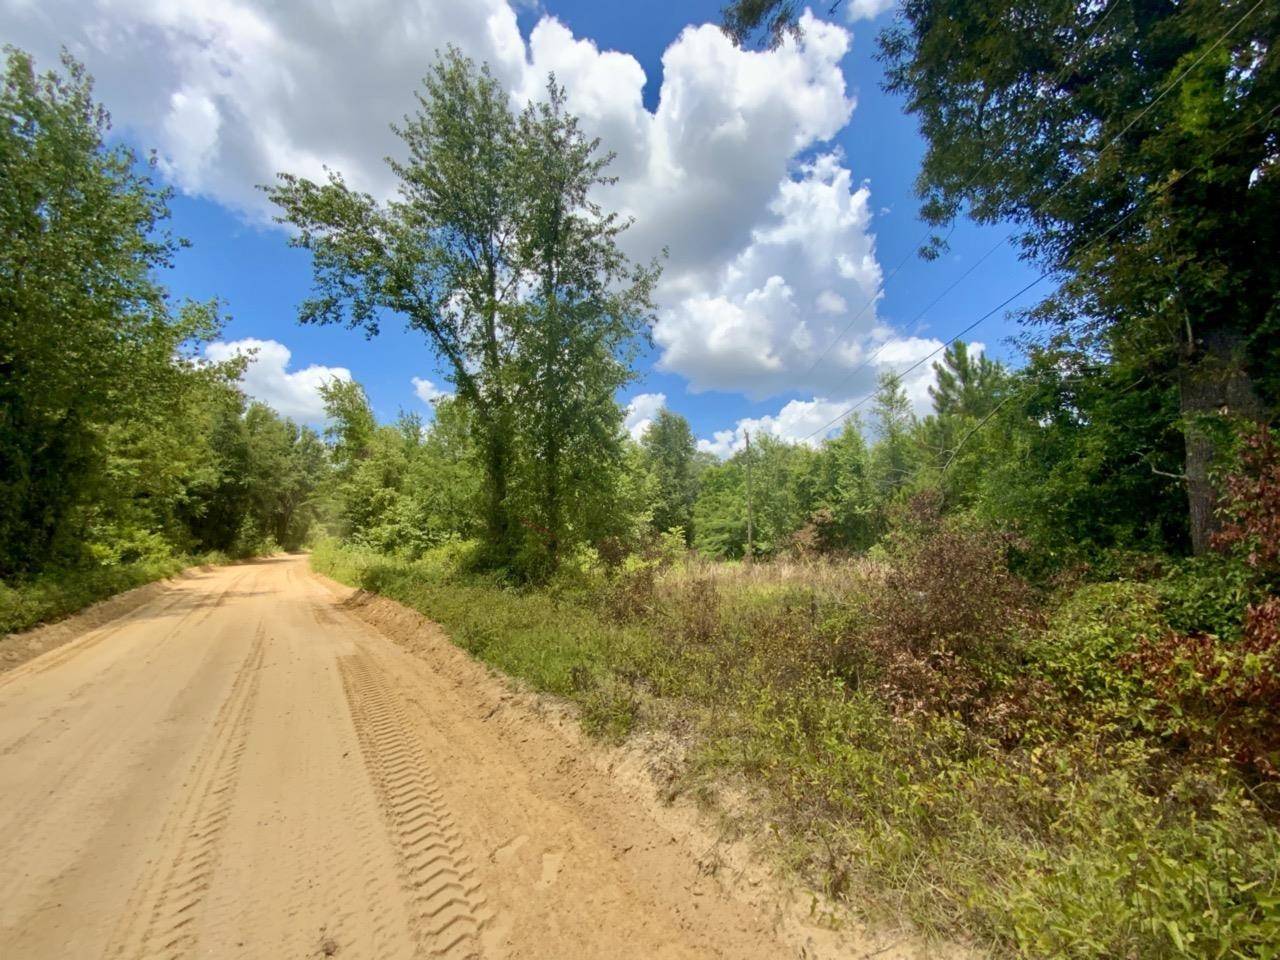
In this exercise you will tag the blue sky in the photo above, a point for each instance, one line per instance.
(749, 262)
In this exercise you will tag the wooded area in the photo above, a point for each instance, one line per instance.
(1054, 593)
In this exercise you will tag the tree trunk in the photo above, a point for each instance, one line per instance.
(1213, 387)
(497, 519)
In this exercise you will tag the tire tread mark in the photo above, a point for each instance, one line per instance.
(169, 894)
(447, 908)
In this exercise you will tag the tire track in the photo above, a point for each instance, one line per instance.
(168, 896)
(447, 910)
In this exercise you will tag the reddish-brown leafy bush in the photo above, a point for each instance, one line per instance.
(1220, 697)
(631, 594)
(938, 630)
(1252, 501)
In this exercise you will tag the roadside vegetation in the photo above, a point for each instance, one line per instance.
(124, 455)
(1008, 667)
(1082, 767)
(55, 594)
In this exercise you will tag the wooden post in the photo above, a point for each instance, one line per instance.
(751, 544)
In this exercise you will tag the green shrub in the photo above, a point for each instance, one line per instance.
(1089, 633)
(59, 593)
(1044, 815)
(1207, 594)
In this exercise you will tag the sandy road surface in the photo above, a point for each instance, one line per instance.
(242, 768)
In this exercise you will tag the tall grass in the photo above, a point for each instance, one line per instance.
(923, 736)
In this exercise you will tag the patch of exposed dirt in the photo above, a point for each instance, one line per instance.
(249, 763)
(641, 774)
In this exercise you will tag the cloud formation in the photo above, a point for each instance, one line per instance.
(641, 411)
(812, 421)
(771, 253)
(428, 392)
(267, 378)
(793, 423)
(233, 91)
(866, 9)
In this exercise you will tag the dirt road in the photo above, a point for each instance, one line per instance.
(240, 767)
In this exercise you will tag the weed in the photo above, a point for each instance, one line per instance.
(923, 737)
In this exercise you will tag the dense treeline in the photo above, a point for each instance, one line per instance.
(1045, 452)
(1014, 662)
(119, 445)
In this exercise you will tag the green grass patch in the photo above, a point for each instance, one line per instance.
(1025, 799)
(55, 594)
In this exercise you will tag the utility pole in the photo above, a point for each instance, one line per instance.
(751, 543)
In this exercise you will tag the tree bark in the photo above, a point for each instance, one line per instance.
(1213, 387)
(498, 521)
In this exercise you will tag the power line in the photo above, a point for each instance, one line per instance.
(1045, 274)
(1057, 78)
(1000, 306)
(1107, 146)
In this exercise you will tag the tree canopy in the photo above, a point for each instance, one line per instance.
(495, 250)
(117, 439)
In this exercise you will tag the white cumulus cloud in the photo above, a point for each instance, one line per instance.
(794, 423)
(233, 91)
(807, 278)
(769, 233)
(294, 394)
(641, 411)
(428, 392)
(867, 9)
(230, 92)
(812, 421)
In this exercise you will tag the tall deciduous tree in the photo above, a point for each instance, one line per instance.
(1136, 145)
(87, 337)
(442, 255)
(669, 457)
(495, 252)
(572, 336)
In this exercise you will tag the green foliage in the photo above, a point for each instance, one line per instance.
(669, 457)
(555, 645)
(55, 594)
(401, 488)
(895, 455)
(574, 337)
(87, 339)
(1133, 146)
(497, 253)
(1088, 635)
(1078, 460)
(1043, 821)
(120, 449)
(1208, 594)
(846, 493)
(966, 386)
(720, 511)
(768, 22)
